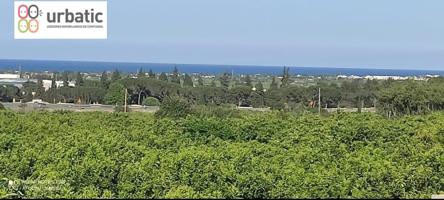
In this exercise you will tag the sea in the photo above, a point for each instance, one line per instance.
(86, 66)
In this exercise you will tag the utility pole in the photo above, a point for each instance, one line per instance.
(319, 101)
(126, 97)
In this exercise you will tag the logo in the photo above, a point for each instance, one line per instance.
(28, 18)
(60, 20)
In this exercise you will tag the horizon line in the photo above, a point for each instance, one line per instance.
(221, 65)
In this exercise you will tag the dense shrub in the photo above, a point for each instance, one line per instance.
(174, 108)
(254, 155)
(151, 101)
(216, 111)
(121, 108)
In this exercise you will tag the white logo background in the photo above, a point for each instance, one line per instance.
(61, 30)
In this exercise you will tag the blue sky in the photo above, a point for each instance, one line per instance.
(313, 33)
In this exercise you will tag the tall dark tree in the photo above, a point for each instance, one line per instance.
(115, 94)
(200, 81)
(274, 84)
(285, 77)
(240, 95)
(52, 94)
(151, 74)
(53, 83)
(163, 77)
(175, 77)
(40, 89)
(79, 80)
(115, 76)
(104, 80)
(65, 79)
(225, 80)
(248, 81)
(259, 87)
(56, 76)
(188, 81)
(140, 73)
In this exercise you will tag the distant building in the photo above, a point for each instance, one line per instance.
(15, 80)
(386, 77)
(354, 77)
(12, 79)
(9, 76)
(341, 77)
(48, 83)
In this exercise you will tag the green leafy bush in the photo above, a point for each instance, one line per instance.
(174, 108)
(151, 101)
(253, 155)
(121, 108)
(216, 111)
(115, 94)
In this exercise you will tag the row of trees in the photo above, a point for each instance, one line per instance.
(411, 97)
(280, 95)
(393, 98)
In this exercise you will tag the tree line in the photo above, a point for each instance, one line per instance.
(390, 97)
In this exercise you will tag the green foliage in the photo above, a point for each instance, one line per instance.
(115, 76)
(40, 90)
(285, 77)
(140, 73)
(75, 95)
(8, 92)
(104, 83)
(259, 87)
(151, 101)
(216, 111)
(257, 100)
(2, 107)
(79, 80)
(240, 95)
(151, 74)
(225, 80)
(391, 98)
(175, 77)
(188, 81)
(248, 81)
(251, 155)
(53, 84)
(65, 79)
(115, 94)
(200, 81)
(121, 108)
(274, 84)
(163, 77)
(174, 108)
(411, 97)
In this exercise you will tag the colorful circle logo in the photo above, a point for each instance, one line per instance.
(28, 25)
(23, 26)
(23, 11)
(33, 26)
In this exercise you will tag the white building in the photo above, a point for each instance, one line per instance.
(48, 83)
(386, 77)
(12, 79)
(9, 76)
